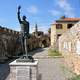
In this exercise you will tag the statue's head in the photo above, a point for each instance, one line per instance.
(24, 17)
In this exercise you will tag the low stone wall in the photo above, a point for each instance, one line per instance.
(69, 46)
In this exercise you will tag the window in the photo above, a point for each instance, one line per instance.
(58, 26)
(69, 26)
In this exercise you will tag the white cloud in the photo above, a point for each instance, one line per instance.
(32, 9)
(55, 12)
(66, 7)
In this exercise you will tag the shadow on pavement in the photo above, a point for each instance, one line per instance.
(4, 71)
(36, 51)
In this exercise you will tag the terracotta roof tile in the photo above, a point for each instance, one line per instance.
(69, 19)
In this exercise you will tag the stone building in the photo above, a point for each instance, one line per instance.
(65, 37)
(69, 46)
(59, 27)
(44, 39)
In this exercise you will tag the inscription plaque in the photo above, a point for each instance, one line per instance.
(23, 73)
(23, 78)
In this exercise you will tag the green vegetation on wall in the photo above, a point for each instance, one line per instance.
(53, 53)
(76, 78)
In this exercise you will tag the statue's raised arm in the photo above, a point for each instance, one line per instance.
(18, 13)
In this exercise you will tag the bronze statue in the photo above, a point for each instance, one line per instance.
(24, 24)
(24, 33)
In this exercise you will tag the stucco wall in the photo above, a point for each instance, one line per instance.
(55, 32)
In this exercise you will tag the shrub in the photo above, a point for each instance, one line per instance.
(76, 78)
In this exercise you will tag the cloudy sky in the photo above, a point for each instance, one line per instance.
(42, 12)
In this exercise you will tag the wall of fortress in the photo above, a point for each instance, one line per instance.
(69, 46)
(10, 44)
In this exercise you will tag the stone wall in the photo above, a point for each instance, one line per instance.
(8, 43)
(69, 46)
(44, 39)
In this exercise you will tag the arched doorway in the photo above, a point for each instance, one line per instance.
(44, 43)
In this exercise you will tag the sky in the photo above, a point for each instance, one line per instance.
(40, 12)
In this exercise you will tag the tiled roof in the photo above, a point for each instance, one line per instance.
(69, 19)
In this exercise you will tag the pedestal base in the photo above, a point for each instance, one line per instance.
(25, 59)
(24, 70)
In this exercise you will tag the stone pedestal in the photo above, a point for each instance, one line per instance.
(24, 70)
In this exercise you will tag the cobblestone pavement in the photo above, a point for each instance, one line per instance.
(49, 68)
(41, 53)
